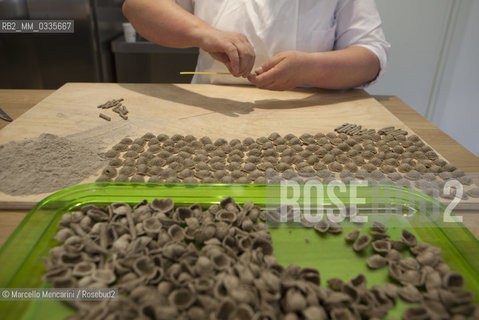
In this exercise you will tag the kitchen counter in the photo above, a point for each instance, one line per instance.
(16, 102)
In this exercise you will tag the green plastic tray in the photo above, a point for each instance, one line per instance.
(21, 264)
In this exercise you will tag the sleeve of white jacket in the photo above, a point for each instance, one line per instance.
(359, 24)
(186, 4)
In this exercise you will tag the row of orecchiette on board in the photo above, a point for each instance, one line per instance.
(388, 156)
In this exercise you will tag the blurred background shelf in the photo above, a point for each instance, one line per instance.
(143, 61)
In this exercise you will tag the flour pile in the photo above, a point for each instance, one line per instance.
(45, 164)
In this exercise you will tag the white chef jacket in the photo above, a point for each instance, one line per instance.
(274, 26)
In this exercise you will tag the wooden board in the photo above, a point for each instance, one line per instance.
(216, 111)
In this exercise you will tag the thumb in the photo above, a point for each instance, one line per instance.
(269, 64)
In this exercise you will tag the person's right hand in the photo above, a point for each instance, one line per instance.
(231, 48)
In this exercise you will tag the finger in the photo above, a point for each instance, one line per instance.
(260, 84)
(258, 70)
(268, 77)
(268, 65)
(269, 86)
(271, 63)
(282, 84)
(232, 52)
(249, 68)
(243, 58)
(279, 86)
(247, 57)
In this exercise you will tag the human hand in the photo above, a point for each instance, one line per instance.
(231, 48)
(282, 72)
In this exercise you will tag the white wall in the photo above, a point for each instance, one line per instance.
(434, 60)
(457, 109)
(415, 35)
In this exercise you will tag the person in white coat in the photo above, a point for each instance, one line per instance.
(274, 44)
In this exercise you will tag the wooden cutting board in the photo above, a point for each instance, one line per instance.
(216, 111)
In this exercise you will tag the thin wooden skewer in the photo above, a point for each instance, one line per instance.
(203, 72)
(191, 72)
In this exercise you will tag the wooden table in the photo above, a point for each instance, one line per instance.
(16, 102)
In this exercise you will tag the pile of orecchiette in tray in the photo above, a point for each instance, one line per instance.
(189, 262)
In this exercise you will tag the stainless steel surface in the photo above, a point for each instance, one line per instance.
(66, 57)
(49, 60)
(5, 116)
(18, 64)
(17, 9)
(108, 18)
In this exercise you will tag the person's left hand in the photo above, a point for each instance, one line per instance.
(282, 72)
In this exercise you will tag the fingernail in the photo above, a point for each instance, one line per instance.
(258, 70)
